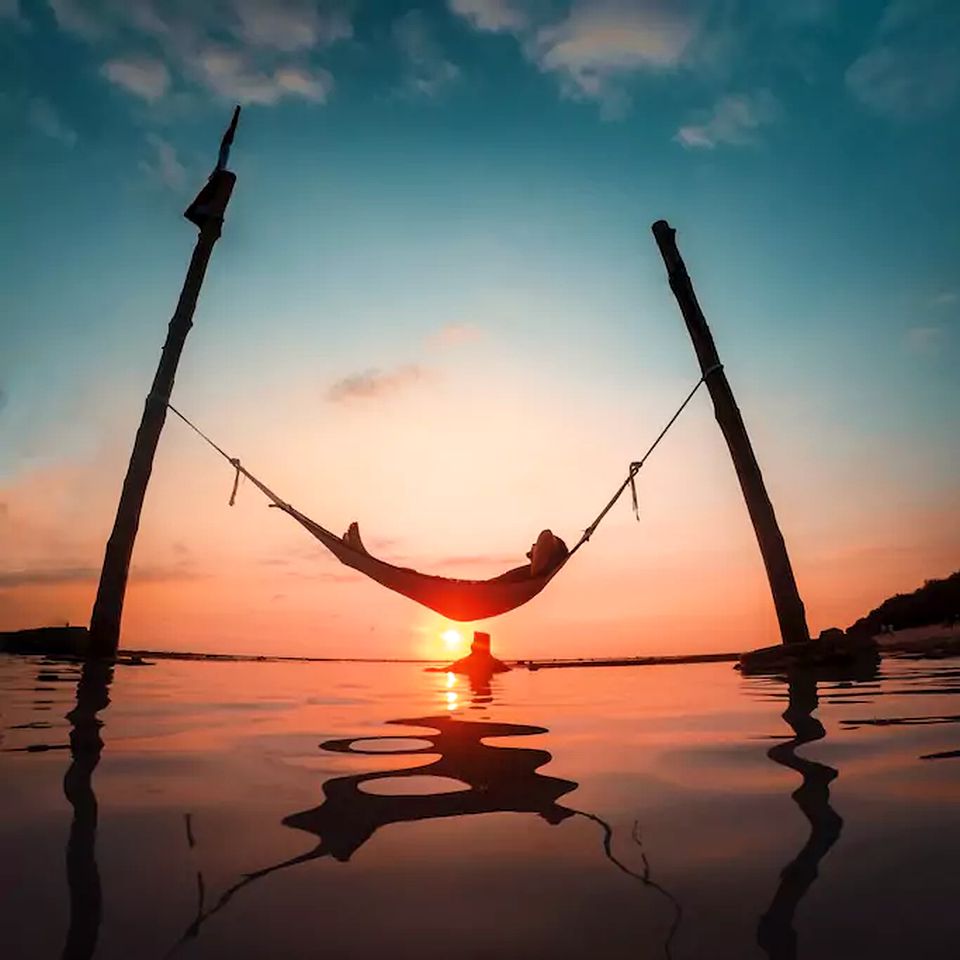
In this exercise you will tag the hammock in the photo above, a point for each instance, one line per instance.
(461, 600)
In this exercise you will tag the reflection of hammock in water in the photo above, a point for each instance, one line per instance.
(457, 599)
(497, 779)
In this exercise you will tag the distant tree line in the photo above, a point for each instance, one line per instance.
(937, 601)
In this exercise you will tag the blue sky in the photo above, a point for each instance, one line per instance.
(458, 195)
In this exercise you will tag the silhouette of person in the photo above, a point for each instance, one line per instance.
(480, 664)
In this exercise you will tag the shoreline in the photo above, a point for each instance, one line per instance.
(136, 656)
(926, 642)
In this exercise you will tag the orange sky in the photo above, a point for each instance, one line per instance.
(437, 309)
(456, 474)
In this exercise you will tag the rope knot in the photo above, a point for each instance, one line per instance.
(634, 470)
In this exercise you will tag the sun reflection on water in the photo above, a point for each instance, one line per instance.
(451, 696)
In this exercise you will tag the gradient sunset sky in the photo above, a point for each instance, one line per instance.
(437, 309)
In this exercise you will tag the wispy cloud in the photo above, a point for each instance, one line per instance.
(85, 18)
(734, 119)
(44, 118)
(926, 337)
(324, 576)
(600, 43)
(426, 70)
(163, 166)
(234, 75)
(912, 70)
(491, 15)
(55, 576)
(372, 384)
(292, 25)
(454, 335)
(145, 77)
(9, 9)
(250, 51)
(315, 85)
(945, 299)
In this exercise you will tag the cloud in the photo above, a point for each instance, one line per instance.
(454, 335)
(426, 71)
(9, 9)
(163, 165)
(491, 15)
(54, 576)
(233, 75)
(372, 384)
(298, 81)
(911, 71)
(144, 77)
(946, 299)
(47, 577)
(79, 16)
(925, 338)
(734, 120)
(325, 576)
(251, 51)
(292, 25)
(904, 84)
(602, 42)
(44, 118)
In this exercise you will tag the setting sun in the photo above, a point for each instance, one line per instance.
(452, 639)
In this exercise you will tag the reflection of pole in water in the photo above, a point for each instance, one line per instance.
(83, 877)
(775, 933)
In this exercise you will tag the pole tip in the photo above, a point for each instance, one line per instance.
(224, 156)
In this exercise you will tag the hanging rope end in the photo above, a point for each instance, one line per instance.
(634, 468)
(235, 463)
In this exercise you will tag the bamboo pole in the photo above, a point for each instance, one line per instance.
(206, 212)
(783, 585)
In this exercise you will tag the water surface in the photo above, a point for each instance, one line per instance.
(238, 810)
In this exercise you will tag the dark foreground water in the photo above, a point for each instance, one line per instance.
(349, 811)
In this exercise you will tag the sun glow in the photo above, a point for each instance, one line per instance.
(452, 639)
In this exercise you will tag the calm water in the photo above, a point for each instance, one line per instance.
(351, 811)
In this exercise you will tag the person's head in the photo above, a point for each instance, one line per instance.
(546, 553)
(481, 642)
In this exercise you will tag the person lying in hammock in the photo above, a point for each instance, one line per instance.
(546, 554)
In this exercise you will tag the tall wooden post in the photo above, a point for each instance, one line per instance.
(783, 586)
(206, 212)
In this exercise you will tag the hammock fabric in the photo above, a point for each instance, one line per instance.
(456, 599)
(461, 600)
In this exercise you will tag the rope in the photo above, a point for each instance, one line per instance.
(234, 462)
(223, 453)
(644, 877)
(635, 466)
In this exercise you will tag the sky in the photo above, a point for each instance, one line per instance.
(437, 309)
